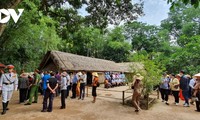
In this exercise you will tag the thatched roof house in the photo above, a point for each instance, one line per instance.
(58, 61)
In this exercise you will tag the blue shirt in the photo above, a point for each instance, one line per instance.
(44, 81)
(107, 77)
(75, 79)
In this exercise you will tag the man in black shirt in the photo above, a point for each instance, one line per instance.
(52, 85)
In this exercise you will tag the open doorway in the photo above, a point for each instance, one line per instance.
(89, 78)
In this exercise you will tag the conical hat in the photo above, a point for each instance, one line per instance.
(79, 73)
(138, 77)
(95, 74)
(64, 73)
(197, 75)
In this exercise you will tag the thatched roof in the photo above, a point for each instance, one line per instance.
(71, 62)
(130, 66)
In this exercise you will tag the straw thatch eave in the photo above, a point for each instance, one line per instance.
(130, 67)
(72, 62)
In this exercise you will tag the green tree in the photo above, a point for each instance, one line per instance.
(187, 57)
(183, 20)
(104, 12)
(152, 72)
(87, 41)
(176, 3)
(142, 36)
(116, 47)
(23, 44)
(101, 13)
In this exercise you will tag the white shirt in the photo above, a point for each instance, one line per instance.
(192, 82)
(68, 79)
(63, 84)
(84, 76)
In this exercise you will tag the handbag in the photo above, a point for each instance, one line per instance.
(176, 86)
(98, 84)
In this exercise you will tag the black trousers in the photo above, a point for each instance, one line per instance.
(63, 94)
(198, 102)
(94, 91)
(28, 93)
(74, 90)
(164, 94)
(82, 90)
(22, 94)
(47, 96)
(67, 92)
(176, 96)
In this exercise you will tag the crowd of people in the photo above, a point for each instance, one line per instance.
(114, 79)
(181, 86)
(51, 84)
(48, 83)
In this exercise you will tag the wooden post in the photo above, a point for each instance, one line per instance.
(158, 93)
(87, 91)
(147, 101)
(123, 97)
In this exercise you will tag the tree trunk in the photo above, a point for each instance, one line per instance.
(12, 4)
(2, 28)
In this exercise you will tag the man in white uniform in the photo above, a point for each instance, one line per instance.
(8, 83)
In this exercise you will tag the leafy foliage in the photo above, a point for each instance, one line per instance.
(152, 73)
(187, 57)
(100, 12)
(142, 36)
(116, 48)
(31, 39)
(176, 3)
(87, 41)
(104, 12)
(56, 24)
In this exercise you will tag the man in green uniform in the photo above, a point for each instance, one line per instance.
(34, 88)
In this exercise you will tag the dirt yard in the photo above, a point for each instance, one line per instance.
(103, 109)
